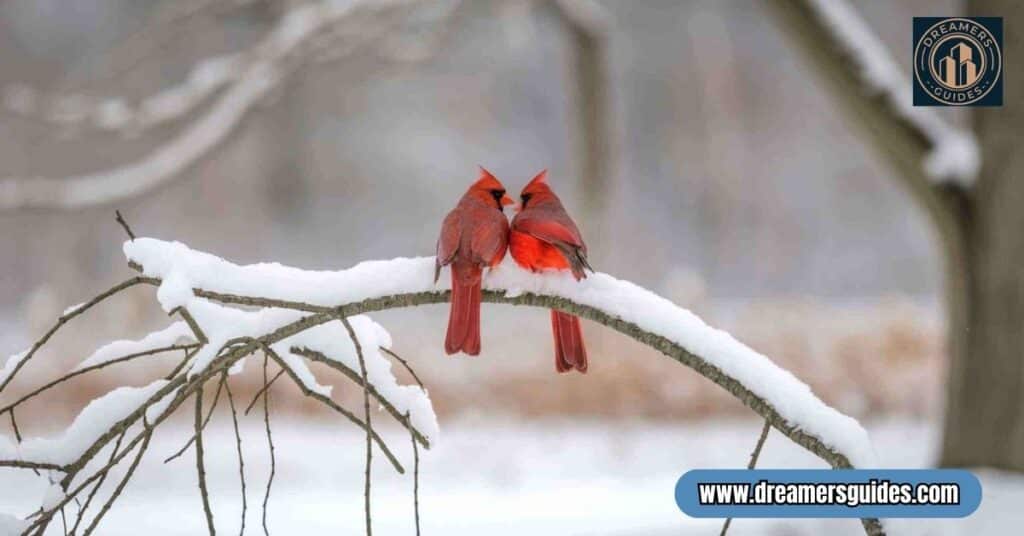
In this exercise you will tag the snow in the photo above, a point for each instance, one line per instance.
(154, 411)
(8, 451)
(496, 477)
(298, 365)
(954, 155)
(54, 495)
(792, 398)
(94, 420)
(72, 309)
(158, 339)
(222, 324)
(11, 525)
(333, 341)
(11, 364)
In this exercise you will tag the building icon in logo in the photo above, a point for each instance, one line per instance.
(958, 61)
(958, 69)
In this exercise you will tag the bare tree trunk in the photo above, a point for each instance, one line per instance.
(984, 423)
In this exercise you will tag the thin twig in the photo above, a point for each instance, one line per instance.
(200, 467)
(72, 469)
(334, 405)
(404, 364)
(209, 415)
(120, 485)
(75, 373)
(17, 434)
(415, 477)
(262, 390)
(64, 318)
(92, 494)
(366, 417)
(186, 384)
(124, 225)
(751, 464)
(192, 324)
(21, 464)
(238, 443)
(809, 441)
(14, 425)
(184, 361)
(355, 377)
(270, 443)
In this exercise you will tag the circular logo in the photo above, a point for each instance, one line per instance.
(957, 61)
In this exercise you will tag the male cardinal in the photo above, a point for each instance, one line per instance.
(544, 236)
(474, 235)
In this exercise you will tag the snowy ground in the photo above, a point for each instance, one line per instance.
(495, 478)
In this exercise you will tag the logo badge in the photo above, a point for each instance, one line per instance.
(958, 61)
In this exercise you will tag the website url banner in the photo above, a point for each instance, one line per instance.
(778, 493)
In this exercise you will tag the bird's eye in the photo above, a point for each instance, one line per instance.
(525, 198)
(497, 195)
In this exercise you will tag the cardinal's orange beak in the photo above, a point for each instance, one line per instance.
(506, 200)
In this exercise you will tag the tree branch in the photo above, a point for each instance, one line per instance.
(124, 225)
(120, 485)
(329, 403)
(874, 92)
(366, 417)
(270, 443)
(200, 467)
(238, 444)
(759, 405)
(65, 318)
(10, 407)
(322, 314)
(356, 377)
(904, 135)
(750, 465)
(209, 415)
(96, 488)
(256, 397)
(415, 476)
(404, 364)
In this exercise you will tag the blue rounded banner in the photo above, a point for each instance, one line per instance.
(795, 493)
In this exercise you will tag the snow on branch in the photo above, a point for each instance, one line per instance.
(953, 155)
(294, 316)
(216, 340)
(376, 285)
(242, 80)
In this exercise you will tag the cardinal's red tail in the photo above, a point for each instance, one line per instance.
(464, 318)
(570, 352)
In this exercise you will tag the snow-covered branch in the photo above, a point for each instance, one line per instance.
(845, 48)
(242, 81)
(187, 277)
(295, 321)
(216, 339)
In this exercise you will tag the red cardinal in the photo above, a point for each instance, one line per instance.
(474, 235)
(544, 237)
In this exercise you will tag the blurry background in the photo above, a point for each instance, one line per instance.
(733, 187)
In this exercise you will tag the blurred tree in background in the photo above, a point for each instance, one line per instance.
(979, 219)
